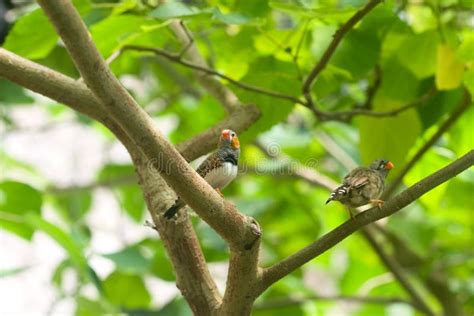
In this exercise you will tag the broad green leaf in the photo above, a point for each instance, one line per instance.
(327, 13)
(16, 201)
(449, 70)
(88, 307)
(126, 291)
(63, 239)
(195, 116)
(358, 52)
(74, 205)
(177, 306)
(418, 54)
(465, 51)
(130, 195)
(21, 41)
(161, 266)
(440, 104)
(383, 137)
(129, 260)
(231, 18)
(269, 73)
(398, 83)
(117, 30)
(11, 93)
(174, 9)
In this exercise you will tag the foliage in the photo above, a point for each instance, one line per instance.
(401, 50)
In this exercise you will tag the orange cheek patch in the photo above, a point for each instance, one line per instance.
(235, 142)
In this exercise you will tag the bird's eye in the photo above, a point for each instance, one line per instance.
(233, 134)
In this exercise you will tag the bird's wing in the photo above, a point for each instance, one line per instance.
(357, 178)
(212, 162)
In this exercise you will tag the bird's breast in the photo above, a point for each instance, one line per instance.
(221, 176)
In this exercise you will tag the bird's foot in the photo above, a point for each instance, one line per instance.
(219, 191)
(377, 202)
(350, 212)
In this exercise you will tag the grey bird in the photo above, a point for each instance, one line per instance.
(363, 185)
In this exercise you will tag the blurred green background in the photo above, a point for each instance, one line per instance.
(71, 213)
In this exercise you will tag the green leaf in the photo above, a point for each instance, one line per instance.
(398, 83)
(358, 52)
(21, 41)
(128, 291)
(74, 205)
(64, 239)
(383, 137)
(130, 260)
(161, 266)
(329, 13)
(195, 116)
(449, 70)
(177, 306)
(270, 73)
(117, 30)
(231, 18)
(418, 54)
(16, 201)
(465, 51)
(11, 93)
(174, 10)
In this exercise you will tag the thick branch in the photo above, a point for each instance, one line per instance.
(219, 214)
(281, 269)
(338, 36)
(453, 117)
(180, 240)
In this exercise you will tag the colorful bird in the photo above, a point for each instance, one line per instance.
(219, 168)
(363, 185)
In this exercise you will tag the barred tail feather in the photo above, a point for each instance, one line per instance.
(339, 193)
(174, 209)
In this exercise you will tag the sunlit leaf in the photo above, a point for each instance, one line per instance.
(16, 201)
(128, 291)
(449, 71)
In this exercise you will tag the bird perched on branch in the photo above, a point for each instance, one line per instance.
(219, 169)
(363, 185)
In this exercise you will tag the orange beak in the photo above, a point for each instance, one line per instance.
(235, 142)
(389, 165)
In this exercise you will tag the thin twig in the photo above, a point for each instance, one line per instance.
(177, 59)
(397, 271)
(346, 116)
(338, 36)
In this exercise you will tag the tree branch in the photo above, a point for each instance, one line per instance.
(453, 117)
(397, 271)
(218, 213)
(338, 36)
(283, 268)
(177, 58)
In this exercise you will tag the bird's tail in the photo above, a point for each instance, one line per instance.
(338, 193)
(174, 209)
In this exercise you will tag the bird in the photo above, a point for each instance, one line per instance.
(363, 185)
(219, 168)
